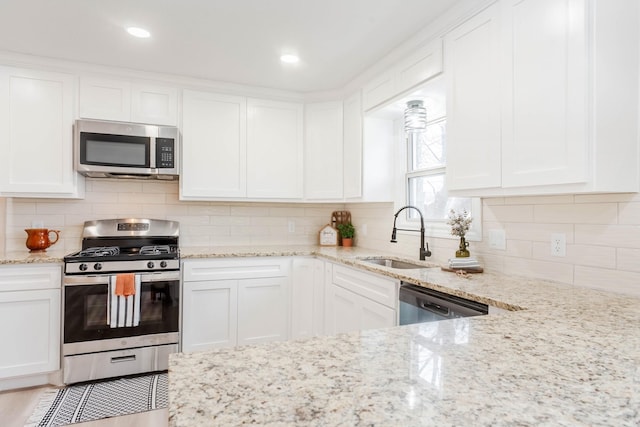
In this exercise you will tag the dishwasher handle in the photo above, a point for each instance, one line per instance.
(422, 300)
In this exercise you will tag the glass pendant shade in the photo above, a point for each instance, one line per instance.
(415, 117)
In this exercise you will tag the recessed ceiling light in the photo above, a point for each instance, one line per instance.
(289, 58)
(139, 32)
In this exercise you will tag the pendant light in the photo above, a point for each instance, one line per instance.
(415, 117)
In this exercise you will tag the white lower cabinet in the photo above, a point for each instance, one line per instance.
(238, 301)
(209, 315)
(30, 315)
(262, 310)
(307, 297)
(356, 300)
(234, 301)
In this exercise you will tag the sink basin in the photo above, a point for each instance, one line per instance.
(394, 263)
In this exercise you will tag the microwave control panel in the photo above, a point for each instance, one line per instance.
(165, 153)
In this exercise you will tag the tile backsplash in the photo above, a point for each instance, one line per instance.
(201, 223)
(602, 231)
(602, 238)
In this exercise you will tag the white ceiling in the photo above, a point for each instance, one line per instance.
(236, 41)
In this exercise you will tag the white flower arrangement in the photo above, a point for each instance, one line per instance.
(459, 222)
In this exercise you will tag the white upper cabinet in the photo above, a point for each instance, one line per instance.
(274, 149)
(424, 63)
(36, 128)
(548, 106)
(545, 93)
(214, 146)
(473, 107)
(122, 100)
(323, 151)
(352, 150)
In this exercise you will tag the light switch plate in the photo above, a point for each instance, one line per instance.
(497, 239)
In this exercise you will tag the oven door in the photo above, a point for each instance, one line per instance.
(86, 313)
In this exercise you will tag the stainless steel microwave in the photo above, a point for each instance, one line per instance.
(105, 149)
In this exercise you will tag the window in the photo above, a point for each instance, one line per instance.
(424, 178)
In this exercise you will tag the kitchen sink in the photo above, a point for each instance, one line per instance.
(394, 263)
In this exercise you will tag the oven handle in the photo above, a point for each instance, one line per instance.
(104, 278)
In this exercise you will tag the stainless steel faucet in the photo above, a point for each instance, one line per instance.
(424, 252)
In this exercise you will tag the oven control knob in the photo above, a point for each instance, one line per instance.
(97, 266)
(163, 264)
(150, 264)
(83, 267)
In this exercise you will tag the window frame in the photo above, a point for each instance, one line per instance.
(437, 229)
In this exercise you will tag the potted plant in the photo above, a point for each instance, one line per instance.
(347, 231)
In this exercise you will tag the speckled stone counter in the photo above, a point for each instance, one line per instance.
(24, 257)
(570, 356)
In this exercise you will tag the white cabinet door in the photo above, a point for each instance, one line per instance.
(121, 100)
(551, 113)
(274, 149)
(545, 93)
(473, 103)
(342, 310)
(209, 315)
(323, 151)
(31, 332)
(30, 315)
(214, 146)
(357, 300)
(105, 99)
(263, 313)
(352, 151)
(307, 297)
(154, 104)
(36, 128)
(352, 312)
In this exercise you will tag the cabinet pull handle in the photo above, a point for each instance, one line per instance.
(123, 358)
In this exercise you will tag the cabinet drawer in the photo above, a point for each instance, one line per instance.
(21, 278)
(374, 287)
(237, 268)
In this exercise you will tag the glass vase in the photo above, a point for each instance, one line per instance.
(463, 250)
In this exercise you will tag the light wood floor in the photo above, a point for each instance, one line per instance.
(16, 408)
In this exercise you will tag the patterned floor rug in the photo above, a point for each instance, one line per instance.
(104, 399)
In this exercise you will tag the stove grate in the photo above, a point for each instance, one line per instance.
(100, 251)
(155, 250)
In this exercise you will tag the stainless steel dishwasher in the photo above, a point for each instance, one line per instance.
(418, 305)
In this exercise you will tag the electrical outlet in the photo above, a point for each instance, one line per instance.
(497, 239)
(363, 229)
(292, 226)
(558, 244)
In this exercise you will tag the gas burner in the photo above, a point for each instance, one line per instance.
(100, 251)
(155, 250)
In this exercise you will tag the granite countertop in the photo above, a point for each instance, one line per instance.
(568, 356)
(25, 257)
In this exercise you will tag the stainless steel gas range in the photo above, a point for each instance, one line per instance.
(121, 299)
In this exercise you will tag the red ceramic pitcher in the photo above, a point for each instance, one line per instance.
(38, 239)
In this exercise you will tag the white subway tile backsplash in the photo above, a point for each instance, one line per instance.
(508, 213)
(202, 223)
(537, 232)
(627, 259)
(611, 280)
(586, 213)
(617, 236)
(629, 213)
(540, 200)
(602, 231)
